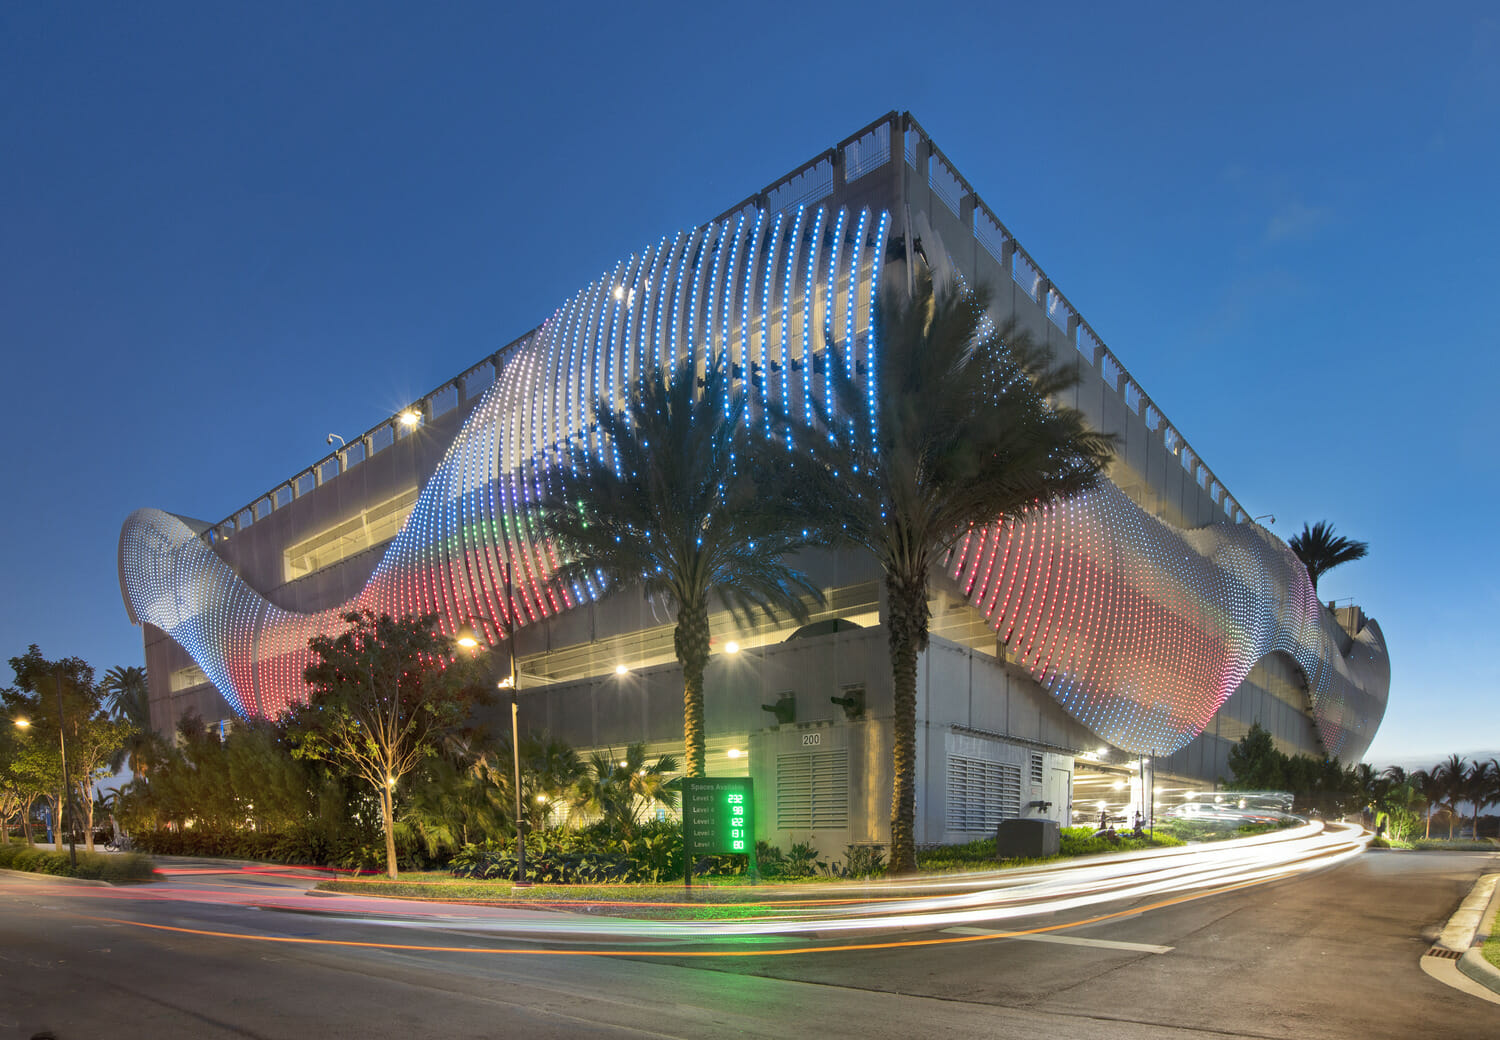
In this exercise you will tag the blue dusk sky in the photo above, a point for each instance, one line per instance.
(229, 231)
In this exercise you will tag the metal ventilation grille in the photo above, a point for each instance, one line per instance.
(1036, 769)
(981, 794)
(812, 790)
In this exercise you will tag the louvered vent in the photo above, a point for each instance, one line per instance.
(812, 790)
(981, 794)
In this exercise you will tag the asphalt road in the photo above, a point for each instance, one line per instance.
(1331, 954)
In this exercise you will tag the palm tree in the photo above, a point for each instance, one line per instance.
(1430, 786)
(1399, 797)
(549, 770)
(1320, 550)
(684, 501)
(963, 436)
(450, 804)
(1366, 785)
(128, 699)
(127, 696)
(1453, 772)
(1482, 788)
(617, 790)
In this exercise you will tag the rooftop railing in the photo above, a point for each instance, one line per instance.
(869, 150)
(462, 389)
(821, 177)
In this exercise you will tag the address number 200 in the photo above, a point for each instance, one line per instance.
(812, 739)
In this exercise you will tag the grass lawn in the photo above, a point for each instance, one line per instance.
(1492, 944)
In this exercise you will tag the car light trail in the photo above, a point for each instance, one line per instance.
(1147, 881)
(1005, 895)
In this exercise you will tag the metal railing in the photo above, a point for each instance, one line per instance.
(869, 149)
(462, 389)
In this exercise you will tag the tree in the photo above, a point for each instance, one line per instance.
(1430, 786)
(1399, 798)
(128, 699)
(618, 790)
(1320, 550)
(61, 700)
(963, 435)
(23, 777)
(1256, 763)
(550, 771)
(1453, 773)
(13, 795)
(1482, 788)
(687, 502)
(1365, 785)
(248, 780)
(381, 696)
(451, 803)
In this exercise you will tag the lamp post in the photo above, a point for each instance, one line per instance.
(468, 639)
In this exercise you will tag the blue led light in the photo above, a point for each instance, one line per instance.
(1139, 629)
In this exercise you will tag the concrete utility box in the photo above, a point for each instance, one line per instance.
(1026, 839)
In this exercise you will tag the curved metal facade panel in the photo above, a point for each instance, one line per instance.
(1142, 631)
(756, 288)
(1139, 630)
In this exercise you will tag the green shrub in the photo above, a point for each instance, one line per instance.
(1081, 841)
(860, 861)
(28, 859)
(92, 865)
(771, 859)
(54, 863)
(800, 862)
(1456, 845)
(303, 846)
(980, 853)
(1072, 841)
(596, 855)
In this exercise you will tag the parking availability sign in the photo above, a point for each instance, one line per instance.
(718, 818)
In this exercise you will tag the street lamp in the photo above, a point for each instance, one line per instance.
(468, 639)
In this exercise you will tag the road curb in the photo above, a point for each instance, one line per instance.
(1466, 931)
(31, 875)
(1480, 970)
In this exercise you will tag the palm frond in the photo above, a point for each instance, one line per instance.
(1320, 550)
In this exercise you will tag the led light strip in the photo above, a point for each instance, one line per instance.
(1140, 630)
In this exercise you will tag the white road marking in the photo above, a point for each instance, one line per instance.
(1067, 940)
